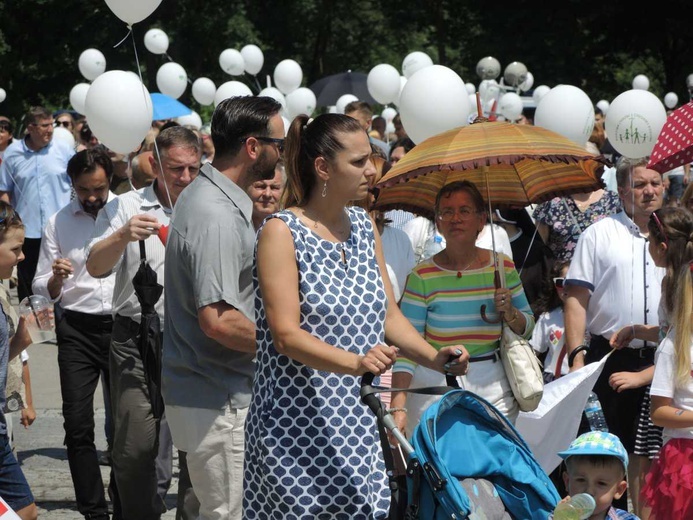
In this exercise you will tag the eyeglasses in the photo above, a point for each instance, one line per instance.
(66, 124)
(448, 214)
(559, 282)
(660, 227)
(274, 140)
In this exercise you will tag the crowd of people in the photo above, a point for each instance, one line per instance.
(231, 284)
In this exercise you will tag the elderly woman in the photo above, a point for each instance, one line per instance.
(442, 299)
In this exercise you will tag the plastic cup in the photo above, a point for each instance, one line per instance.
(40, 319)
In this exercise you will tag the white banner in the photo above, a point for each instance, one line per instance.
(554, 424)
(6, 512)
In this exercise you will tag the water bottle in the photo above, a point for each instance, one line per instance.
(579, 507)
(595, 415)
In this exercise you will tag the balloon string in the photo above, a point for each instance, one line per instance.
(145, 94)
(126, 37)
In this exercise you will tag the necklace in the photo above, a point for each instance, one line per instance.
(339, 232)
(460, 271)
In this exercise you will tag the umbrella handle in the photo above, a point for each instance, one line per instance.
(497, 285)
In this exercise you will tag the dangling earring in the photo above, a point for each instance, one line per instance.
(324, 190)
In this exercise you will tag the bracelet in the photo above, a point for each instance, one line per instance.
(393, 410)
(515, 315)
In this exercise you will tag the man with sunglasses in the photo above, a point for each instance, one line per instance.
(613, 283)
(33, 178)
(209, 345)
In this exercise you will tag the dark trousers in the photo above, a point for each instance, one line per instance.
(621, 410)
(83, 347)
(26, 269)
(141, 464)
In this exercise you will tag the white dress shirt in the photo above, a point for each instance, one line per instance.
(612, 260)
(112, 217)
(65, 235)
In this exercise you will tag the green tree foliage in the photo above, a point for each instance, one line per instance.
(595, 45)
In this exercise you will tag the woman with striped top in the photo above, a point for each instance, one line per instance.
(442, 299)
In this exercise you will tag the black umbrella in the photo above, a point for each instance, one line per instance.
(148, 292)
(330, 88)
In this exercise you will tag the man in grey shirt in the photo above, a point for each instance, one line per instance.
(209, 346)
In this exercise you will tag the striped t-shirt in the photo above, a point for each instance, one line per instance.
(445, 309)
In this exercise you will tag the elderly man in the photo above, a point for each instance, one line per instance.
(265, 194)
(84, 330)
(613, 282)
(139, 216)
(33, 178)
(209, 346)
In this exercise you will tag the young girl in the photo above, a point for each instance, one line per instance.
(669, 483)
(14, 488)
(548, 335)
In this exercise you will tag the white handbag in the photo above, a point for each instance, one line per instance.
(522, 368)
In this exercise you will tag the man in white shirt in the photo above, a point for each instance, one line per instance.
(84, 331)
(613, 282)
(141, 215)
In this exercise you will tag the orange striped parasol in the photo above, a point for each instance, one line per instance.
(512, 165)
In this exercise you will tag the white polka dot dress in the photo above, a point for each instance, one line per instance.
(312, 447)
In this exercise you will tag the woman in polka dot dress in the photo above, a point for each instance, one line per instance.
(323, 318)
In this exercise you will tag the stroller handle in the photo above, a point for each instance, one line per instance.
(376, 405)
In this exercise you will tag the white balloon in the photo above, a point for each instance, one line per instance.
(300, 101)
(433, 100)
(510, 106)
(641, 82)
(63, 134)
(539, 93)
(488, 68)
(415, 61)
(488, 91)
(288, 76)
(471, 88)
(515, 74)
(253, 59)
(231, 89)
(343, 101)
(635, 119)
(671, 99)
(287, 123)
(527, 83)
(388, 114)
(132, 11)
(203, 90)
(78, 96)
(390, 128)
(172, 79)
(402, 82)
(156, 41)
(3, 95)
(383, 83)
(274, 93)
(603, 105)
(92, 63)
(119, 110)
(232, 62)
(568, 111)
(192, 119)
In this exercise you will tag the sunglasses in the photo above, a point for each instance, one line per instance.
(274, 140)
(559, 282)
(4, 125)
(65, 124)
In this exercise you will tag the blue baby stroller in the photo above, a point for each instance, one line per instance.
(465, 461)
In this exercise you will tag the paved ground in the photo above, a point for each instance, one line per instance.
(40, 448)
